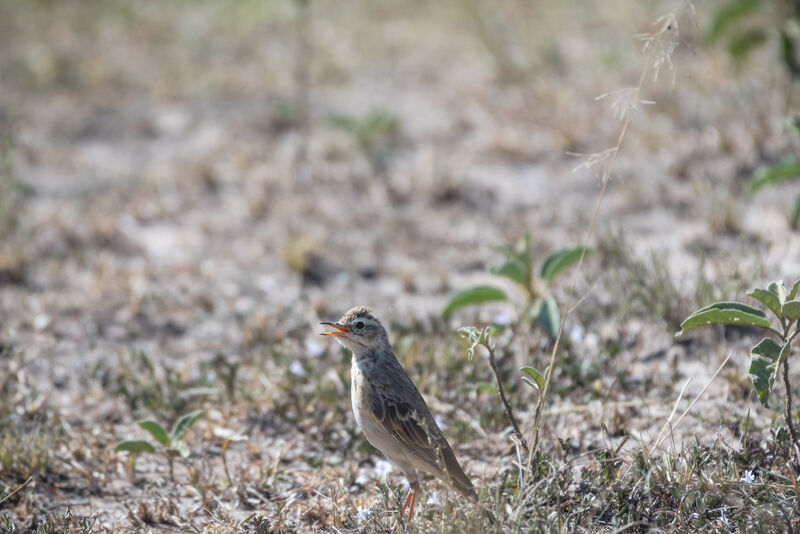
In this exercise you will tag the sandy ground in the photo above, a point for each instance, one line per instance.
(163, 212)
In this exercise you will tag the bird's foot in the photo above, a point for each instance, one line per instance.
(410, 501)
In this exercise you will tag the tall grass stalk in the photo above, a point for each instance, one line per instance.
(659, 46)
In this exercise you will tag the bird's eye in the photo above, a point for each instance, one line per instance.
(360, 325)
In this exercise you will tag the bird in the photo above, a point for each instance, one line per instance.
(391, 411)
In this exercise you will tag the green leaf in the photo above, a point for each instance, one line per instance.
(795, 217)
(134, 446)
(156, 430)
(768, 298)
(476, 337)
(728, 14)
(778, 290)
(515, 270)
(788, 54)
(766, 175)
(743, 43)
(470, 332)
(485, 387)
(560, 260)
(764, 360)
(546, 315)
(793, 292)
(179, 447)
(185, 423)
(538, 378)
(726, 313)
(791, 310)
(517, 265)
(342, 122)
(475, 295)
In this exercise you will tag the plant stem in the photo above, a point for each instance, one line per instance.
(302, 85)
(788, 410)
(506, 404)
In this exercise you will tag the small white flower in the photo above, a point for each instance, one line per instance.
(314, 347)
(748, 477)
(383, 468)
(297, 368)
(362, 477)
(502, 319)
(576, 333)
(363, 513)
(433, 498)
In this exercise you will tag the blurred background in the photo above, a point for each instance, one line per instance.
(188, 187)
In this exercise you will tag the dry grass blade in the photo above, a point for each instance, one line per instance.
(4, 499)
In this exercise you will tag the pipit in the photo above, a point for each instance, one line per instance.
(390, 410)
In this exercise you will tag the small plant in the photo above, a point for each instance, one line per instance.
(66, 523)
(482, 338)
(539, 304)
(766, 175)
(169, 444)
(767, 357)
(748, 24)
(375, 133)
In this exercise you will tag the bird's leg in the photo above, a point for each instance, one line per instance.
(405, 502)
(411, 500)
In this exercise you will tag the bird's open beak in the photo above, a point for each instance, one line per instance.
(341, 330)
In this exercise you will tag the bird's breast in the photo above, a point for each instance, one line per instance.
(357, 390)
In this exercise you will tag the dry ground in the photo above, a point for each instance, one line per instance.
(166, 247)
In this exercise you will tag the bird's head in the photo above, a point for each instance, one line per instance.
(359, 330)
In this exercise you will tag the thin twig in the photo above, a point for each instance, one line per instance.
(4, 499)
(788, 409)
(506, 404)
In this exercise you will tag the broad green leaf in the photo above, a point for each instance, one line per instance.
(778, 290)
(475, 295)
(768, 299)
(763, 367)
(560, 260)
(743, 43)
(546, 315)
(185, 423)
(538, 378)
(134, 446)
(515, 270)
(517, 265)
(793, 292)
(791, 310)
(729, 14)
(181, 448)
(156, 430)
(766, 175)
(726, 313)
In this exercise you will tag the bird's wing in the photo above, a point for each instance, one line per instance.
(403, 413)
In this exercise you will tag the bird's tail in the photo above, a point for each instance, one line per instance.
(459, 481)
